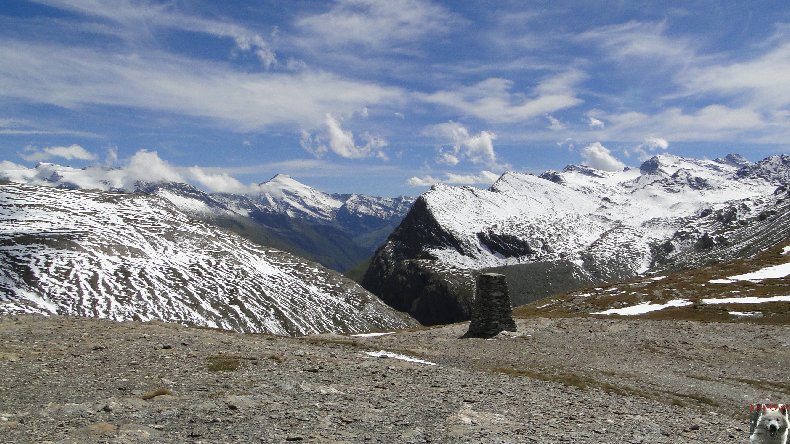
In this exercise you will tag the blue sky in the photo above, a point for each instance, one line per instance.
(386, 97)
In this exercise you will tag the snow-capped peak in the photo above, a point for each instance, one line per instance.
(292, 197)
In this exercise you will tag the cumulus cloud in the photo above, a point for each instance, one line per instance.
(493, 101)
(484, 177)
(341, 142)
(147, 166)
(459, 144)
(594, 123)
(599, 157)
(219, 183)
(71, 152)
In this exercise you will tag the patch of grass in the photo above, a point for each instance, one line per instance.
(569, 379)
(764, 385)
(223, 363)
(699, 398)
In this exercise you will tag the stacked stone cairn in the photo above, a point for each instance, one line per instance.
(491, 310)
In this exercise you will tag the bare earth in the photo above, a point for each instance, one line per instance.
(580, 380)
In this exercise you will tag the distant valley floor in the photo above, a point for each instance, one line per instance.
(584, 380)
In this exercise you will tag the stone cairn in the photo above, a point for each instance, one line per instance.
(491, 310)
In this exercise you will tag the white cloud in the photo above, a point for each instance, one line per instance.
(712, 122)
(648, 148)
(220, 183)
(761, 81)
(33, 154)
(374, 25)
(554, 123)
(448, 159)
(341, 142)
(594, 123)
(476, 148)
(129, 18)
(493, 101)
(147, 166)
(142, 167)
(240, 101)
(640, 41)
(656, 143)
(599, 157)
(484, 177)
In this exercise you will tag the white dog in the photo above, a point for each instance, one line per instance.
(770, 424)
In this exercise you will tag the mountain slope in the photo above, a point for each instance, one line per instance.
(136, 256)
(573, 228)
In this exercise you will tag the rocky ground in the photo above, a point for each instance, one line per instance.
(581, 380)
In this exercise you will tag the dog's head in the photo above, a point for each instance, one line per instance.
(774, 420)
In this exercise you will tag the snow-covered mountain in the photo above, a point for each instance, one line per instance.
(338, 231)
(138, 256)
(564, 229)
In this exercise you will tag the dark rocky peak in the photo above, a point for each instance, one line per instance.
(582, 169)
(733, 159)
(684, 177)
(651, 166)
(553, 176)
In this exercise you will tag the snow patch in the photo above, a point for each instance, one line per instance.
(386, 354)
(372, 335)
(745, 313)
(747, 300)
(645, 307)
(773, 272)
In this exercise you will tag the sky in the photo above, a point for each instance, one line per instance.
(388, 97)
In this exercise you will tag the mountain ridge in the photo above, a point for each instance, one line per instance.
(337, 230)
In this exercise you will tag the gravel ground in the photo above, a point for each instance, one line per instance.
(581, 380)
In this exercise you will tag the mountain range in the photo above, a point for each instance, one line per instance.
(580, 226)
(141, 256)
(339, 231)
(549, 234)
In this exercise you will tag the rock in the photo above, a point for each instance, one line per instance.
(491, 310)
